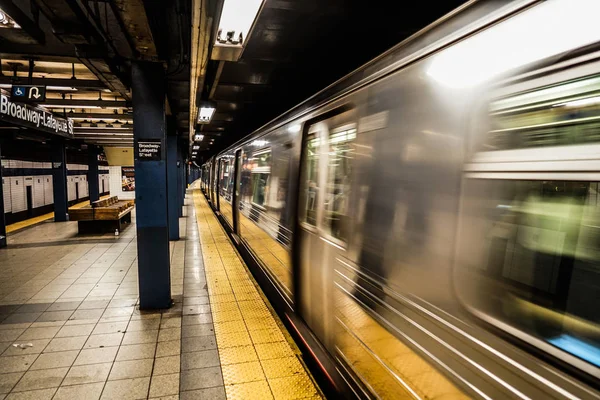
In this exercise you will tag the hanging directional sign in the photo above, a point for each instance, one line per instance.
(28, 93)
(34, 117)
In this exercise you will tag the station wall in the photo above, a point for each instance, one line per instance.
(116, 187)
(28, 187)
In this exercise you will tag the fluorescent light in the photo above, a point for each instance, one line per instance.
(548, 29)
(237, 17)
(199, 138)
(62, 88)
(206, 110)
(195, 147)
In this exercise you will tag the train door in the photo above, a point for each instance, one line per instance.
(323, 219)
(235, 204)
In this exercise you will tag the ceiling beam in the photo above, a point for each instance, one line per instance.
(75, 83)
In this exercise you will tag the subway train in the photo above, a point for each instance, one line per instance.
(429, 225)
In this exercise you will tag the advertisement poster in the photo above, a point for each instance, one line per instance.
(127, 179)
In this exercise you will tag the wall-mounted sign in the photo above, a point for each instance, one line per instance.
(34, 117)
(28, 93)
(149, 149)
(127, 179)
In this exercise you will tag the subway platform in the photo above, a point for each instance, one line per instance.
(71, 327)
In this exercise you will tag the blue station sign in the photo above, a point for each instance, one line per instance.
(28, 93)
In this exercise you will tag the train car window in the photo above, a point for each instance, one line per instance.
(261, 171)
(540, 272)
(562, 114)
(312, 181)
(341, 153)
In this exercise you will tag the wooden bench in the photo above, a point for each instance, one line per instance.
(103, 216)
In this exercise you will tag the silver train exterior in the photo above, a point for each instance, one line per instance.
(433, 218)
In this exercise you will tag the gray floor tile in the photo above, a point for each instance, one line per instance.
(197, 330)
(169, 334)
(110, 327)
(64, 306)
(8, 381)
(37, 348)
(197, 319)
(40, 394)
(16, 363)
(143, 325)
(96, 356)
(39, 333)
(198, 343)
(105, 340)
(136, 351)
(127, 389)
(140, 337)
(41, 379)
(171, 322)
(90, 391)
(55, 360)
(164, 385)
(19, 318)
(201, 378)
(200, 359)
(93, 304)
(75, 330)
(214, 393)
(66, 343)
(167, 365)
(31, 308)
(87, 374)
(11, 334)
(131, 369)
(168, 348)
(50, 316)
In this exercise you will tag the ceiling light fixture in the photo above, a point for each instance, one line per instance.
(236, 21)
(199, 138)
(206, 110)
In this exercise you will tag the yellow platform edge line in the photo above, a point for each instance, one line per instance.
(17, 226)
(258, 358)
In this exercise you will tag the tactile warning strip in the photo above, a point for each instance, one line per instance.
(257, 360)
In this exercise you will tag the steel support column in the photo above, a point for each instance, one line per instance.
(93, 184)
(2, 218)
(172, 181)
(180, 178)
(149, 127)
(59, 182)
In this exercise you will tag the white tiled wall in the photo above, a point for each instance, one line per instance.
(17, 194)
(48, 190)
(38, 191)
(6, 194)
(71, 188)
(115, 184)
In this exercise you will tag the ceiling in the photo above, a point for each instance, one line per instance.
(83, 51)
(297, 48)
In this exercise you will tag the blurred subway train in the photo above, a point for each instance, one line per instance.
(429, 225)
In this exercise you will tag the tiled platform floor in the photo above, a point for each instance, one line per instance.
(258, 359)
(74, 299)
